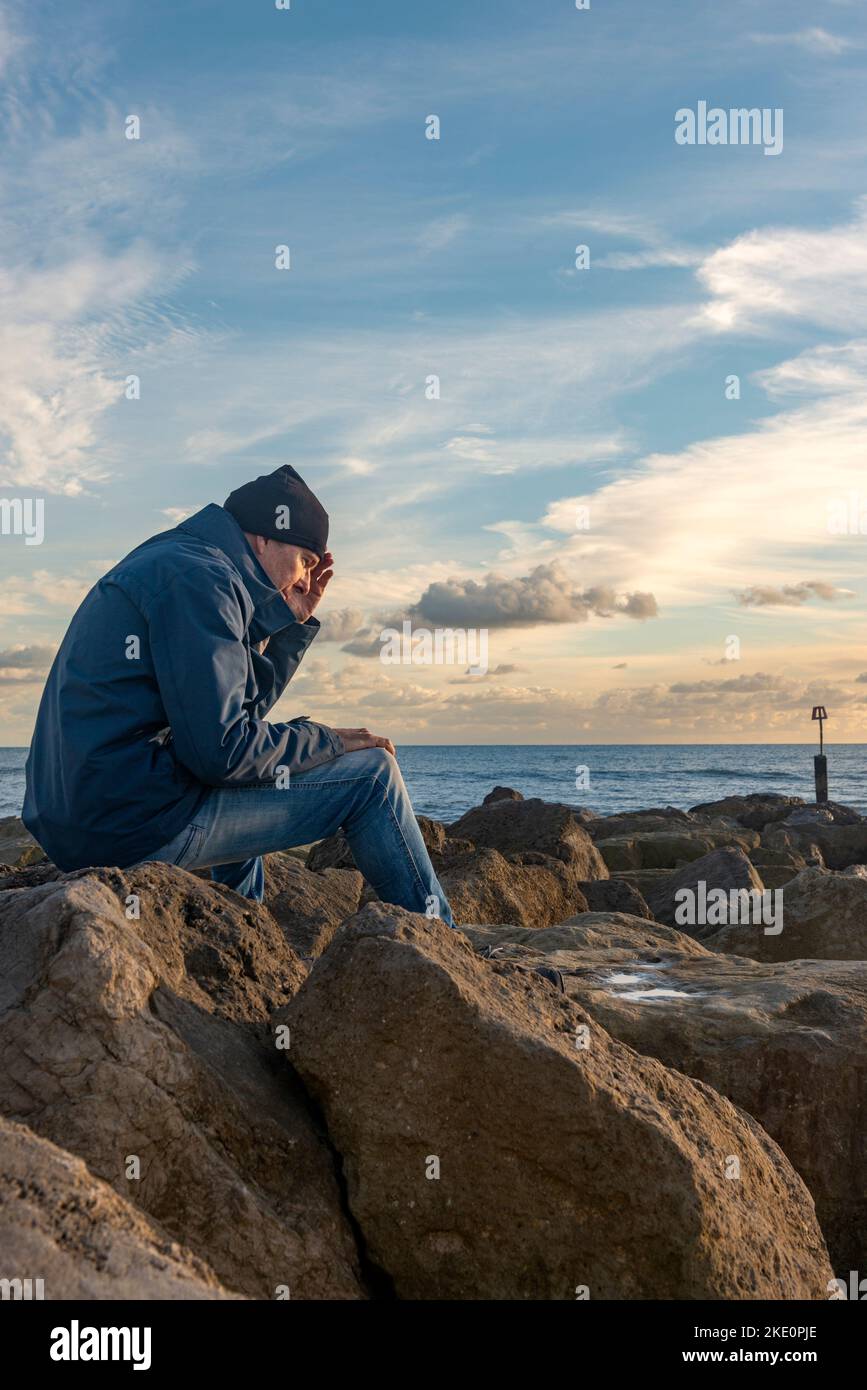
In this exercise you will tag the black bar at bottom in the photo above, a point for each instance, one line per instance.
(264, 1341)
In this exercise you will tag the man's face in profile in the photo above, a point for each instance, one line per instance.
(289, 567)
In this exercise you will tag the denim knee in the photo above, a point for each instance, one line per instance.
(378, 765)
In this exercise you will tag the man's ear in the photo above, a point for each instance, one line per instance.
(257, 543)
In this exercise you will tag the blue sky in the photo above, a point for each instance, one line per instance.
(410, 257)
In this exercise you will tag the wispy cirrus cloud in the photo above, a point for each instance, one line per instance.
(498, 455)
(652, 257)
(442, 232)
(827, 370)
(44, 589)
(12, 43)
(56, 381)
(814, 40)
(817, 275)
(178, 514)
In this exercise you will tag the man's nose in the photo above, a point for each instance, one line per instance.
(304, 581)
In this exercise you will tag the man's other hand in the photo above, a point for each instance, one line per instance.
(355, 739)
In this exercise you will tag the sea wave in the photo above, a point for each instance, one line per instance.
(749, 775)
(633, 774)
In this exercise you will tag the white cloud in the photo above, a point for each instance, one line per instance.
(82, 306)
(442, 232)
(815, 41)
(339, 624)
(747, 507)
(546, 595)
(22, 664)
(55, 378)
(817, 276)
(790, 595)
(12, 43)
(524, 372)
(749, 706)
(652, 258)
(45, 589)
(359, 468)
(825, 370)
(511, 455)
(178, 514)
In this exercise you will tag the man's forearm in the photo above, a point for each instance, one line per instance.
(285, 651)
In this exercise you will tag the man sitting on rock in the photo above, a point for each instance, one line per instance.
(152, 739)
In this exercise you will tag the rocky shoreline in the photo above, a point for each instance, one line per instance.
(325, 1097)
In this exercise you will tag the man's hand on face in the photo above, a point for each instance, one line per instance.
(356, 739)
(303, 605)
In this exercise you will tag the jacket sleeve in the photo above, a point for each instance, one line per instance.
(276, 666)
(197, 627)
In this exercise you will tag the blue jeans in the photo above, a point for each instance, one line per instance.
(361, 793)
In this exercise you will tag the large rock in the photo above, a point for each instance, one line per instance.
(824, 918)
(829, 845)
(61, 1225)
(483, 885)
(644, 881)
(30, 876)
(782, 844)
(787, 1042)
(725, 868)
(825, 813)
(774, 875)
(309, 906)
(17, 846)
(755, 811)
(783, 858)
(777, 867)
(148, 1037)
(502, 794)
(488, 1154)
(332, 853)
(668, 849)
(531, 890)
(516, 827)
(626, 823)
(615, 895)
(585, 942)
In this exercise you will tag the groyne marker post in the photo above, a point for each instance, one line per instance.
(820, 762)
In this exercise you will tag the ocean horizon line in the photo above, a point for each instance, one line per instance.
(589, 743)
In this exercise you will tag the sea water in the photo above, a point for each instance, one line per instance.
(447, 779)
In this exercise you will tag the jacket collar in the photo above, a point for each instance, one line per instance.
(217, 527)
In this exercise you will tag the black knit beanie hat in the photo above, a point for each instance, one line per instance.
(281, 506)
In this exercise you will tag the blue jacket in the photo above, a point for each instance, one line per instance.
(159, 694)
